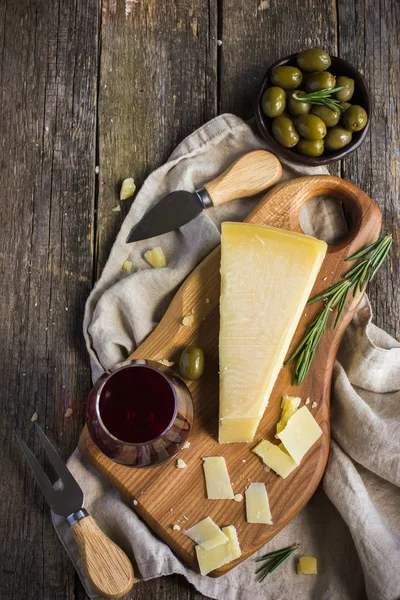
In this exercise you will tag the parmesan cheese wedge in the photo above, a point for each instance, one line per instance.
(300, 433)
(267, 275)
(207, 534)
(275, 458)
(217, 479)
(257, 504)
(219, 555)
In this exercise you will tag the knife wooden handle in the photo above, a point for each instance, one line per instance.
(107, 566)
(249, 175)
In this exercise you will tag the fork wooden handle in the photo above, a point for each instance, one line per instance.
(108, 568)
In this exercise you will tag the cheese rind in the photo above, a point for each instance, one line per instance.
(289, 405)
(266, 278)
(217, 478)
(207, 534)
(275, 458)
(257, 504)
(300, 433)
(220, 555)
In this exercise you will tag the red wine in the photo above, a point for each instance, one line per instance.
(137, 404)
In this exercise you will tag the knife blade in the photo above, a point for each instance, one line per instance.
(251, 174)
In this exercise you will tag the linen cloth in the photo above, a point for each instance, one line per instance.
(352, 523)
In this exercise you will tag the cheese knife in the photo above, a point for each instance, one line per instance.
(107, 566)
(248, 176)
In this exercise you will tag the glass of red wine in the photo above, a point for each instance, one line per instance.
(139, 413)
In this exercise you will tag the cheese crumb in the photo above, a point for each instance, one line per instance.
(116, 208)
(238, 497)
(307, 401)
(219, 42)
(188, 320)
(135, 502)
(207, 300)
(307, 565)
(127, 266)
(176, 527)
(165, 362)
(243, 460)
(180, 464)
(97, 170)
(34, 417)
(314, 405)
(186, 445)
(128, 188)
(156, 258)
(68, 412)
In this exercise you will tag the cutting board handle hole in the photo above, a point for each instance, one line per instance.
(334, 219)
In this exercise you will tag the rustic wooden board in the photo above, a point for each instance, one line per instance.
(166, 495)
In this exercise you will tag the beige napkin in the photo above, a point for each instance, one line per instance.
(352, 523)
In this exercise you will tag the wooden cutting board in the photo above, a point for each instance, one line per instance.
(166, 495)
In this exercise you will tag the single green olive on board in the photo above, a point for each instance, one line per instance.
(313, 59)
(191, 363)
(284, 132)
(312, 148)
(321, 81)
(327, 115)
(355, 118)
(273, 101)
(311, 127)
(345, 94)
(295, 107)
(286, 77)
(337, 138)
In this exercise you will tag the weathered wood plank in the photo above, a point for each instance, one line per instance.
(47, 133)
(157, 84)
(375, 167)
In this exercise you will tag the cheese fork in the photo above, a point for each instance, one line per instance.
(108, 568)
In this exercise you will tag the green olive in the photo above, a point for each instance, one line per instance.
(311, 127)
(295, 107)
(191, 363)
(273, 102)
(310, 147)
(337, 138)
(284, 132)
(306, 78)
(313, 59)
(348, 88)
(328, 116)
(321, 81)
(355, 118)
(286, 77)
(345, 106)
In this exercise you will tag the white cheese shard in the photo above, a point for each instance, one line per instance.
(267, 275)
(289, 405)
(156, 258)
(180, 464)
(257, 504)
(188, 320)
(275, 458)
(217, 478)
(127, 266)
(128, 188)
(301, 432)
(165, 362)
(207, 534)
(176, 527)
(220, 555)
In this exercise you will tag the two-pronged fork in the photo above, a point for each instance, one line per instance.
(108, 568)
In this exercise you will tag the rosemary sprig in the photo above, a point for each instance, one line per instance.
(335, 298)
(322, 98)
(272, 560)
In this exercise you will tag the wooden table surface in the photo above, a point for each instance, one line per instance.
(119, 85)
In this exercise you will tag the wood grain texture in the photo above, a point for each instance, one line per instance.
(48, 76)
(107, 566)
(158, 492)
(157, 84)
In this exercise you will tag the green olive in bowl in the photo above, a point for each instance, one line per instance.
(191, 363)
(286, 77)
(285, 132)
(312, 148)
(313, 59)
(273, 101)
(327, 115)
(321, 81)
(311, 127)
(347, 91)
(295, 107)
(337, 138)
(354, 118)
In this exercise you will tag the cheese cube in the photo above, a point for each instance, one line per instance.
(275, 458)
(307, 565)
(220, 555)
(289, 405)
(217, 479)
(207, 534)
(267, 275)
(300, 433)
(257, 504)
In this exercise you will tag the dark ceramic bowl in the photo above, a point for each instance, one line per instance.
(361, 96)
